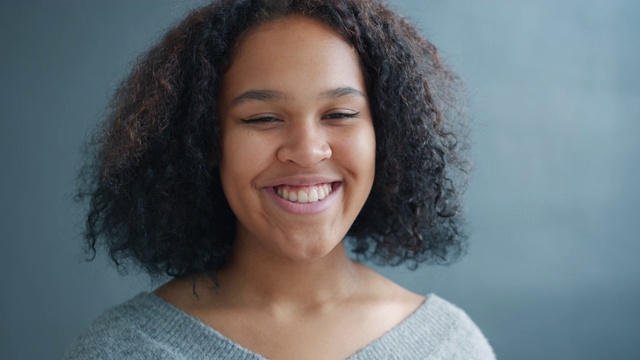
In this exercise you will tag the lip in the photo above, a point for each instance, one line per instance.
(304, 208)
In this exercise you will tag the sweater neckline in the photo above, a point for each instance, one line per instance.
(170, 320)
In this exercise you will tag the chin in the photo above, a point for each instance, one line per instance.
(311, 250)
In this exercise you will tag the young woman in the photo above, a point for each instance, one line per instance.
(239, 156)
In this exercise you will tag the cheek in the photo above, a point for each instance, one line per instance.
(239, 153)
(363, 151)
(234, 168)
(244, 157)
(357, 154)
(368, 160)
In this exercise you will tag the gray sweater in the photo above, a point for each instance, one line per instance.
(146, 327)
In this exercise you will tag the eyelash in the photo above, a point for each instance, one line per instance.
(342, 115)
(268, 119)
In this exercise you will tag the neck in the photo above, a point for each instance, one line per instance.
(256, 278)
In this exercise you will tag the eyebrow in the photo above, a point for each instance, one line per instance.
(272, 95)
(258, 95)
(341, 91)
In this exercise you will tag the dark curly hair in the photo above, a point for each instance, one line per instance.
(154, 191)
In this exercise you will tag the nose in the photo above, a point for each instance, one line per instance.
(305, 144)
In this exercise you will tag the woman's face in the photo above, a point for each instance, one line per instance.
(298, 144)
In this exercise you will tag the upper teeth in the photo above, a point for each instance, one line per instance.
(305, 194)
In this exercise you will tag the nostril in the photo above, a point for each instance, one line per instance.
(305, 152)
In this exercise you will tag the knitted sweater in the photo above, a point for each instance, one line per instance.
(146, 327)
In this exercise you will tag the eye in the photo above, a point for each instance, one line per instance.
(258, 120)
(341, 115)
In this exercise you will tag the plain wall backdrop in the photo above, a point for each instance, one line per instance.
(554, 88)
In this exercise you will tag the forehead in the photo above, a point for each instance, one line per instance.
(305, 26)
(293, 51)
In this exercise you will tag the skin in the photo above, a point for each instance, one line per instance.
(290, 288)
(305, 130)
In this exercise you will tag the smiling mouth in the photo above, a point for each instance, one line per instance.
(304, 194)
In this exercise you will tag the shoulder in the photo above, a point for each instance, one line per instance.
(434, 329)
(121, 332)
(148, 328)
(450, 331)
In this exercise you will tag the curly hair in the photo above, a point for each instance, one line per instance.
(155, 198)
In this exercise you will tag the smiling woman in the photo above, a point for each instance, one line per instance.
(242, 151)
(309, 131)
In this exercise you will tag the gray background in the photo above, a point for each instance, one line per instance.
(552, 271)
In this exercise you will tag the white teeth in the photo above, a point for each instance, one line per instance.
(313, 195)
(306, 195)
(303, 197)
(321, 193)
